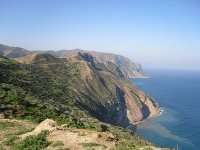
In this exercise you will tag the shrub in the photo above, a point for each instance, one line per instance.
(35, 142)
(103, 128)
(125, 146)
(11, 140)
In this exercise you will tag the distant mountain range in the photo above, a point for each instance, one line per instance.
(12, 52)
(130, 69)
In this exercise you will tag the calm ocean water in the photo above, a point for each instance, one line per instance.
(178, 93)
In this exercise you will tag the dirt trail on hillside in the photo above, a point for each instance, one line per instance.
(79, 139)
(62, 137)
(74, 139)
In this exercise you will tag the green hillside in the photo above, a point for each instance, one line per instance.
(78, 91)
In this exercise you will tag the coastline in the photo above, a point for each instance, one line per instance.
(157, 111)
(140, 77)
(160, 112)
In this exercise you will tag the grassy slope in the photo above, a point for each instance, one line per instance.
(27, 87)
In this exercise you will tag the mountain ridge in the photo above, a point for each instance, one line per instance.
(129, 68)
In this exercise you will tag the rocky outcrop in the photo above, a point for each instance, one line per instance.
(141, 108)
(46, 125)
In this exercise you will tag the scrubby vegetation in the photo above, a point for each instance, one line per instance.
(34, 142)
(38, 91)
(10, 131)
(46, 89)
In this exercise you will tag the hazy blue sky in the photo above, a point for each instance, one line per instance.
(157, 33)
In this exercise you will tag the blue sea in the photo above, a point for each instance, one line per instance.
(178, 94)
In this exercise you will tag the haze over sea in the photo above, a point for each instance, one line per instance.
(178, 94)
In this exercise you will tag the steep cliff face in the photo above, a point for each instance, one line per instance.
(107, 93)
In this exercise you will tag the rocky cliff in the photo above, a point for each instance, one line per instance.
(79, 83)
(113, 97)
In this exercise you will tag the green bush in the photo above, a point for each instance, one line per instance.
(125, 146)
(35, 142)
(11, 140)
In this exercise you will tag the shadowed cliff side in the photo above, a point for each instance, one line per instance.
(107, 93)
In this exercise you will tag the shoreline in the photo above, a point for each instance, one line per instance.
(140, 77)
(160, 112)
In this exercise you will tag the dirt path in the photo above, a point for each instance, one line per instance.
(79, 139)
